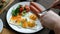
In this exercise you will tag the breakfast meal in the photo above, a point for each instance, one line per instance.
(23, 17)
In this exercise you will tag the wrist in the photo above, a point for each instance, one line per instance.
(57, 29)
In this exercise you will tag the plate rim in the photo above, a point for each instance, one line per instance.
(10, 24)
(2, 25)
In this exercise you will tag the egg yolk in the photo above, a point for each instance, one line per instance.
(33, 17)
(31, 24)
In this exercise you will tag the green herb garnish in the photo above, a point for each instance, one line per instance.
(16, 11)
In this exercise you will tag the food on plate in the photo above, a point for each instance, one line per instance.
(16, 11)
(27, 8)
(25, 25)
(31, 24)
(35, 5)
(23, 20)
(21, 10)
(23, 17)
(23, 13)
(33, 17)
(16, 18)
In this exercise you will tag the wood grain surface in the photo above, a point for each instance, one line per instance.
(7, 31)
(6, 6)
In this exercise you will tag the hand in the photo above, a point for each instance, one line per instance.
(56, 4)
(52, 21)
(49, 20)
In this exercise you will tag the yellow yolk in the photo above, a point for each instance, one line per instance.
(33, 17)
(31, 24)
(25, 25)
(16, 18)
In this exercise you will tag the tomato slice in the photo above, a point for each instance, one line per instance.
(27, 8)
(21, 9)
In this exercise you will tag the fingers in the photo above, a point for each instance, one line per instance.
(42, 22)
(57, 6)
(56, 3)
(36, 6)
(34, 9)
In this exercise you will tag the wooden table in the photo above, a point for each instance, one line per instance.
(7, 31)
(9, 3)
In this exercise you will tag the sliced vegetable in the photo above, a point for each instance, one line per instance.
(24, 13)
(21, 9)
(27, 8)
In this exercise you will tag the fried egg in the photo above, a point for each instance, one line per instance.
(28, 21)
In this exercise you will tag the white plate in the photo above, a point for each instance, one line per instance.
(1, 25)
(22, 30)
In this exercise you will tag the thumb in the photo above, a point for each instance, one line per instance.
(55, 3)
(57, 7)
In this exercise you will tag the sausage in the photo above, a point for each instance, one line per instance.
(35, 5)
(34, 9)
